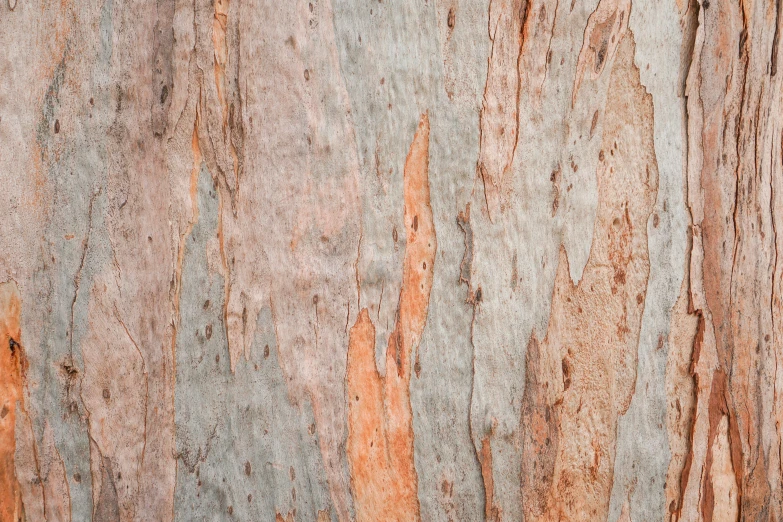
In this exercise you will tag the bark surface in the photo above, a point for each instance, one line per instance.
(436, 260)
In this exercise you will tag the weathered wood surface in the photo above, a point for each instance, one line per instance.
(391, 260)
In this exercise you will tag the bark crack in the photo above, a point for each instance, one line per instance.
(146, 396)
(77, 278)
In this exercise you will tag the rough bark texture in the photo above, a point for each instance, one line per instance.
(391, 260)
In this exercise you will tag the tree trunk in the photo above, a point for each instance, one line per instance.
(397, 260)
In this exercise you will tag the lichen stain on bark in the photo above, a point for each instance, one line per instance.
(380, 420)
(499, 122)
(586, 364)
(12, 369)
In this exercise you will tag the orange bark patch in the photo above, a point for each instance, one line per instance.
(491, 512)
(584, 374)
(11, 382)
(380, 419)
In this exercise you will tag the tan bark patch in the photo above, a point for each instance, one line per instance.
(605, 29)
(54, 479)
(589, 352)
(724, 484)
(539, 432)
(116, 403)
(499, 123)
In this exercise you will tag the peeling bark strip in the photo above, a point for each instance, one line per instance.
(681, 393)
(499, 123)
(11, 395)
(734, 179)
(380, 420)
(605, 30)
(582, 377)
(219, 25)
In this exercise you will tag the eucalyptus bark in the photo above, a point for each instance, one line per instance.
(398, 260)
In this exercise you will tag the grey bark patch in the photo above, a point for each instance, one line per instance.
(75, 247)
(643, 453)
(238, 435)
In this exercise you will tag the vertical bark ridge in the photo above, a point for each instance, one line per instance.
(733, 471)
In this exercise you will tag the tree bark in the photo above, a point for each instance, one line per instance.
(398, 260)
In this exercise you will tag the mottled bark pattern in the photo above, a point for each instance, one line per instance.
(380, 430)
(11, 392)
(403, 260)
